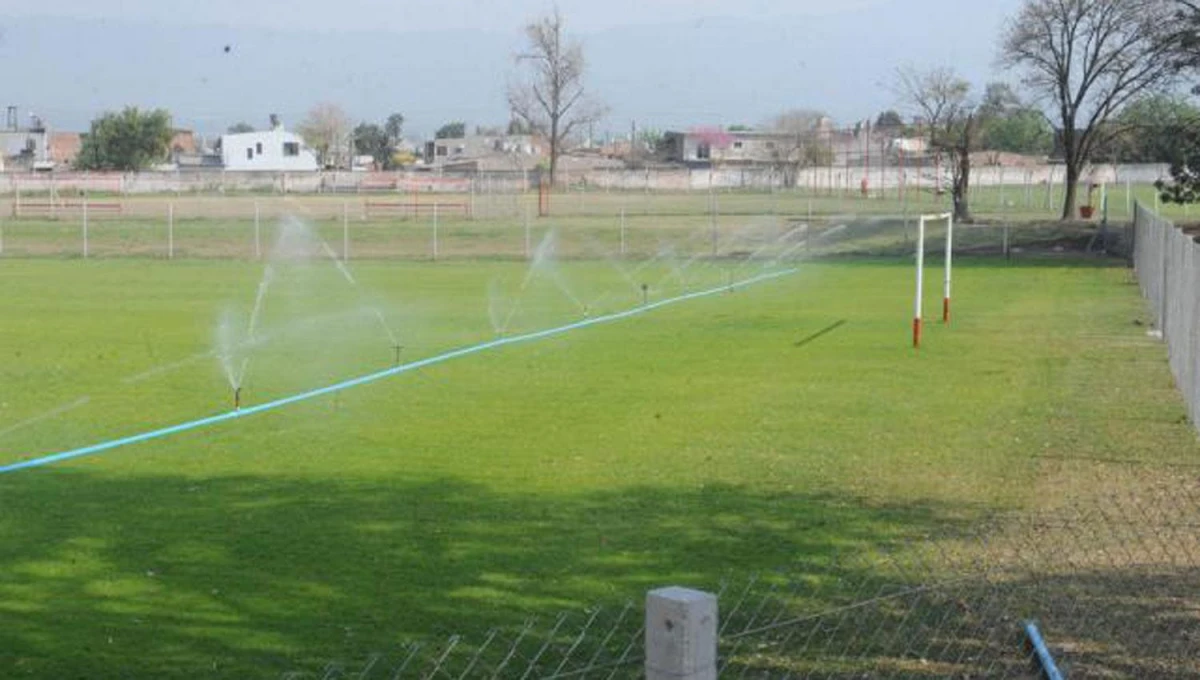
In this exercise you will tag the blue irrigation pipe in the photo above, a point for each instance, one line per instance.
(101, 447)
(1041, 652)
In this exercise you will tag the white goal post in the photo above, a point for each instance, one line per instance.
(948, 218)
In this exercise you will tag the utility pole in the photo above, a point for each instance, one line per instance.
(632, 141)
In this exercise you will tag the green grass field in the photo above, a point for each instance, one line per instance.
(694, 442)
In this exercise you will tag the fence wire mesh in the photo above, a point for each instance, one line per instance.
(589, 225)
(1112, 581)
(602, 642)
(1167, 260)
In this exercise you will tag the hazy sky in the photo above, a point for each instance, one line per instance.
(407, 15)
(665, 63)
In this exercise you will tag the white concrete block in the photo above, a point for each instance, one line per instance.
(681, 634)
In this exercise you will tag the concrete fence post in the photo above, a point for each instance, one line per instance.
(681, 634)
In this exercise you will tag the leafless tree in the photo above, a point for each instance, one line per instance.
(801, 141)
(944, 100)
(1087, 59)
(549, 97)
(326, 129)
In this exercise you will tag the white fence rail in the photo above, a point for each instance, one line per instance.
(838, 178)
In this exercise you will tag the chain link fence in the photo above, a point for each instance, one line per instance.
(735, 227)
(1167, 260)
(1110, 581)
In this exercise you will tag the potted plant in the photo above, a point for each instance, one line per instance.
(1087, 210)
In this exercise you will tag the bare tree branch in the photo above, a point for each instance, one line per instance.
(944, 100)
(1089, 59)
(800, 141)
(551, 99)
(326, 129)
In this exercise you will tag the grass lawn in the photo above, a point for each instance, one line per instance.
(680, 446)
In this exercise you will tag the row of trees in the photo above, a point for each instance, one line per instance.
(129, 140)
(1007, 123)
(547, 98)
(1099, 71)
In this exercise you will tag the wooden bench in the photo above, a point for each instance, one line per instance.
(378, 185)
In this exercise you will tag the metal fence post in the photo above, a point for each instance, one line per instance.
(85, 225)
(527, 234)
(345, 231)
(257, 241)
(622, 232)
(681, 634)
(1166, 269)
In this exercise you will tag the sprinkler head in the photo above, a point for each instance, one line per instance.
(237, 398)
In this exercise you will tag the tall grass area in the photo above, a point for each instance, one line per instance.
(720, 437)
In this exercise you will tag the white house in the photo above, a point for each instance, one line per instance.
(274, 150)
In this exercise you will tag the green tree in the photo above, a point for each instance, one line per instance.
(889, 120)
(650, 138)
(451, 130)
(1009, 124)
(130, 140)
(1088, 59)
(239, 128)
(1022, 130)
(373, 140)
(999, 101)
(1151, 129)
(1184, 186)
(394, 127)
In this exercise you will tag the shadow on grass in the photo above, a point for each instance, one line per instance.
(250, 577)
(1112, 623)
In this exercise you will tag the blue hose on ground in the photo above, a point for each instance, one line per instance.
(101, 447)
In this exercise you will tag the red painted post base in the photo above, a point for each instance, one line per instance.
(946, 310)
(916, 334)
